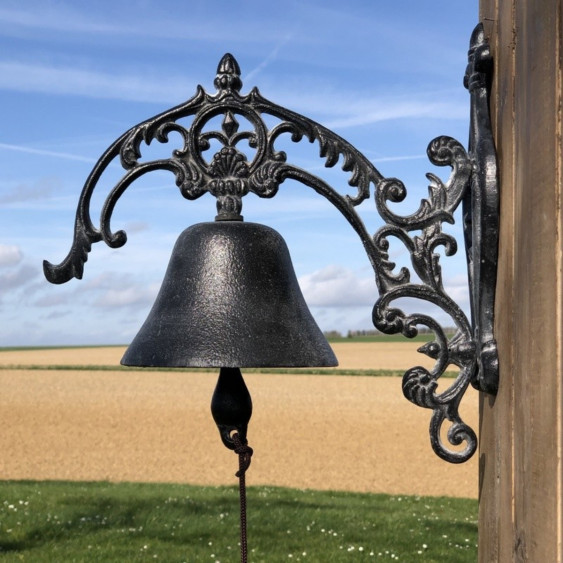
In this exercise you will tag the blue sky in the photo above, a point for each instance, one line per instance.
(386, 76)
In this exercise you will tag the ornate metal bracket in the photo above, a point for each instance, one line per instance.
(481, 213)
(230, 173)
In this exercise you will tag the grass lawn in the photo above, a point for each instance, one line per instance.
(49, 521)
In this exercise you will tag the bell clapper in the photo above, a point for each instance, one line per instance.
(231, 406)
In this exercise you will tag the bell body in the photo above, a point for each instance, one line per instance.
(230, 298)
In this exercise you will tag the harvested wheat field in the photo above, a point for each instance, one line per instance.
(353, 433)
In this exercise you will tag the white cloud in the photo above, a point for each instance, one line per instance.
(345, 106)
(343, 299)
(52, 300)
(137, 227)
(18, 278)
(41, 189)
(9, 255)
(107, 280)
(457, 288)
(49, 79)
(127, 296)
(50, 17)
(43, 17)
(372, 111)
(111, 290)
(340, 109)
(336, 286)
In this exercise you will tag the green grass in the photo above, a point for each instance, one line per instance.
(303, 371)
(60, 347)
(51, 521)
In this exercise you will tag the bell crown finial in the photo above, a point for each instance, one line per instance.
(228, 74)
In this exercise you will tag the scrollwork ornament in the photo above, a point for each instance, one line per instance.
(229, 174)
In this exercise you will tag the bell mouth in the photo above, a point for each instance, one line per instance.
(230, 298)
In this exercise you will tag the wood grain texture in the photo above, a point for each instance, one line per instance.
(521, 431)
(496, 414)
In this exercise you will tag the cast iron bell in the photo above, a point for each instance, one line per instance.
(229, 298)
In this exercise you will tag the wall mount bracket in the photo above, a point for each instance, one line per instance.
(230, 173)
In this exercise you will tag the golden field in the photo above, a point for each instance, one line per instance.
(353, 433)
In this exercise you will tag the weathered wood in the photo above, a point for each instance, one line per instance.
(520, 514)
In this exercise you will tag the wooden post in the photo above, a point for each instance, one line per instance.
(521, 431)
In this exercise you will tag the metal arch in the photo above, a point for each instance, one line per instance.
(230, 174)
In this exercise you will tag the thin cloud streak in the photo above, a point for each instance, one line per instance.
(70, 156)
(63, 19)
(26, 77)
(269, 59)
(43, 152)
(401, 110)
(44, 79)
(398, 158)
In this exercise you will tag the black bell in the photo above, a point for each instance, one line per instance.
(230, 298)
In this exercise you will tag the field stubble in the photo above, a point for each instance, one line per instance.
(352, 433)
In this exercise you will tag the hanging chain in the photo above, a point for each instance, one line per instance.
(244, 452)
